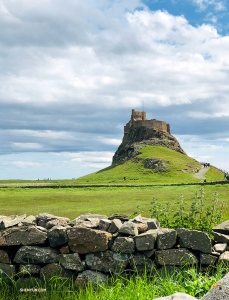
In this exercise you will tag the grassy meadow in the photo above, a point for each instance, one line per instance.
(71, 202)
(178, 168)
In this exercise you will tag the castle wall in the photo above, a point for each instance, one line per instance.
(138, 119)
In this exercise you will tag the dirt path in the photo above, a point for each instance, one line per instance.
(201, 173)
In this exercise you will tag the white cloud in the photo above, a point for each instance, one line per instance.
(25, 164)
(27, 146)
(204, 4)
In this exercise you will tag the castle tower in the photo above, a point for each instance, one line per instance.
(138, 115)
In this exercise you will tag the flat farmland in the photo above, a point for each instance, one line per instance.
(71, 202)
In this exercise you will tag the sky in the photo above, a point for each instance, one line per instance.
(71, 71)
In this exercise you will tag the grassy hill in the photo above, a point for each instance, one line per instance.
(163, 166)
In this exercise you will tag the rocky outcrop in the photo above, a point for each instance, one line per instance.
(138, 137)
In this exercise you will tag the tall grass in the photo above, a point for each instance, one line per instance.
(158, 283)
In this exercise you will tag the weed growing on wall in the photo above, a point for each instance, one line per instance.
(197, 215)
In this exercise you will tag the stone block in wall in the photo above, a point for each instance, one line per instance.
(64, 249)
(89, 276)
(175, 257)
(43, 218)
(24, 235)
(11, 221)
(104, 224)
(36, 255)
(194, 239)
(30, 220)
(107, 261)
(2, 239)
(222, 228)
(166, 238)
(224, 257)
(146, 241)
(7, 270)
(57, 236)
(29, 269)
(141, 227)
(55, 269)
(140, 263)
(123, 245)
(84, 240)
(207, 259)
(149, 253)
(89, 220)
(57, 222)
(129, 228)
(72, 261)
(152, 223)
(220, 238)
(220, 248)
(116, 224)
(4, 257)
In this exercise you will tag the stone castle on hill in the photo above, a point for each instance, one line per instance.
(139, 132)
(138, 119)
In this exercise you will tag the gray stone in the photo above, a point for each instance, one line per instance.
(56, 270)
(24, 235)
(177, 296)
(72, 262)
(11, 221)
(166, 238)
(149, 253)
(43, 218)
(175, 257)
(36, 255)
(220, 248)
(2, 239)
(140, 263)
(152, 223)
(219, 291)
(85, 240)
(146, 241)
(116, 224)
(123, 245)
(7, 270)
(107, 261)
(129, 228)
(224, 257)
(30, 220)
(88, 276)
(222, 228)
(57, 236)
(207, 259)
(92, 218)
(57, 222)
(194, 239)
(141, 227)
(104, 224)
(29, 269)
(4, 257)
(220, 238)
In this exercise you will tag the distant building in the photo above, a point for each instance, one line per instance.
(138, 119)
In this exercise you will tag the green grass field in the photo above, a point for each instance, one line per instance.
(71, 202)
(179, 168)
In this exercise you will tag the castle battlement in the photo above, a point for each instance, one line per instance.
(138, 119)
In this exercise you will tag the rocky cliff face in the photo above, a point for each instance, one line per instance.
(138, 137)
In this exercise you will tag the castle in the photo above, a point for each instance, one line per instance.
(138, 119)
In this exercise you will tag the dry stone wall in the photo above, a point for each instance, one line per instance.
(93, 247)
